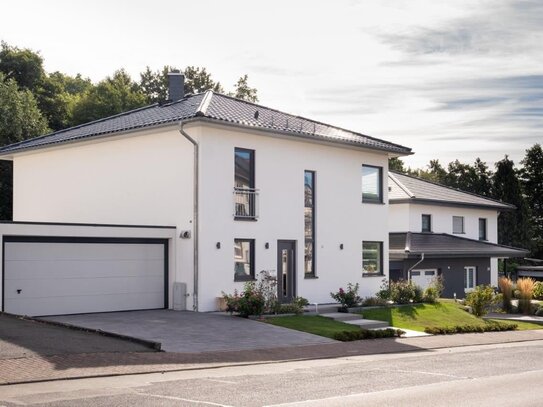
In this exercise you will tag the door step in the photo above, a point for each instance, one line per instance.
(340, 316)
(354, 319)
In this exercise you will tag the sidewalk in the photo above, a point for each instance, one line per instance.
(44, 368)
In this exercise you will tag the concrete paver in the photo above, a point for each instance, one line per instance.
(189, 332)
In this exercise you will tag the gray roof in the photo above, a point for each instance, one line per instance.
(405, 188)
(409, 244)
(211, 106)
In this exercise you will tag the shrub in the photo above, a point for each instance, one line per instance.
(347, 336)
(526, 289)
(539, 312)
(434, 290)
(538, 290)
(249, 302)
(480, 299)
(506, 288)
(266, 284)
(348, 298)
(463, 329)
(384, 291)
(295, 307)
(373, 301)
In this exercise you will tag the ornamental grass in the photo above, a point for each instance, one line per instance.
(506, 288)
(525, 286)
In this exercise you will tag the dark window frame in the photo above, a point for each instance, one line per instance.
(485, 234)
(463, 225)
(252, 178)
(429, 222)
(313, 273)
(380, 187)
(379, 273)
(251, 276)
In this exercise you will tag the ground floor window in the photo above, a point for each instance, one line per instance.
(469, 277)
(372, 258)
(244, 264)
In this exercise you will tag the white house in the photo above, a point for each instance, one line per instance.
(172, 204)
(438, 230)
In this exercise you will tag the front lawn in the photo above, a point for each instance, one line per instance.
(313, 324)
(420, 316)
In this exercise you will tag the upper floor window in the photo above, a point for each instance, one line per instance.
(372, 258)
(458, 224)
(372, 184)
(309, 223)
(245, 194)
(482, 229)
(244, 262)
(426, 223)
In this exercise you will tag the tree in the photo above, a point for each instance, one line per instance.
(531, 176)
(113, 95)
(471, 178)
(23, 65)
(396, 164)
(243, 91)
(514, 227)
(198, 80)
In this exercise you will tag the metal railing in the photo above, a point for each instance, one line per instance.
(246, 203)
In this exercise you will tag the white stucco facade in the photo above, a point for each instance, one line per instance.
(146, 178)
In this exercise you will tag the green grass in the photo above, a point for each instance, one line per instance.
(522, 326)
(312, 324)
(417, 317)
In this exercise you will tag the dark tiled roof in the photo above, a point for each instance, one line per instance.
(405, 188)
(211, 106)
(406, 244)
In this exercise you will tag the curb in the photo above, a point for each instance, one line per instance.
(147, 343)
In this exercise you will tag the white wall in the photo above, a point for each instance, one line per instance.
(280, 165)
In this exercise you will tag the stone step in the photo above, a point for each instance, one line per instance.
(340, 316)
(368, 323)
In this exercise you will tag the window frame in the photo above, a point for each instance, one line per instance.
(485, 234)
(380, 272)
(313, 273)
(380, 199)
(251, 276)
(466, 278)
(252, 180)
(463, 225)
(429, 222)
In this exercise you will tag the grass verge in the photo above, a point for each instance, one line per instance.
(313, 324)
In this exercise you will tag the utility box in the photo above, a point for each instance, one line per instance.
(180, 296)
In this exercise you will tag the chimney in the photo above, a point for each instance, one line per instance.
(176, 85)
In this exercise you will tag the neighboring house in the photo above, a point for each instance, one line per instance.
(172, 204)
(438, 230)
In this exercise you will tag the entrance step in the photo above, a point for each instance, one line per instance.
(367, 323)
(341, 316)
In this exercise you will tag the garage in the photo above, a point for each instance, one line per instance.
(73, 275)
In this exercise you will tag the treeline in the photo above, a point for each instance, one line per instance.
(522, 187)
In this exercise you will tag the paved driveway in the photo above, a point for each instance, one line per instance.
(184, 331)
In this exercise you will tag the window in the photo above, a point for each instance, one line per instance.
(244, 264)
(426, 223)
(372, 258)
(245, 194)
(469, 277)
(482, 229)
(458, 224)
(372, 184)
(309, 223)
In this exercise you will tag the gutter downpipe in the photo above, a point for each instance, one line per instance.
(195, 213)
(416, 264)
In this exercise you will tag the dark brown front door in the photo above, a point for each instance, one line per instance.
(286, 270)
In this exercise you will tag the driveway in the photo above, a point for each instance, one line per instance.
(190, 332)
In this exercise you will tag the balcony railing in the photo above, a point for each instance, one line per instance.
(245, 203)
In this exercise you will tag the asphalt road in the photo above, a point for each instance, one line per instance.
(491, 375)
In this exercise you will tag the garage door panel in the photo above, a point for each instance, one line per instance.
(47, 269)
(67, 278)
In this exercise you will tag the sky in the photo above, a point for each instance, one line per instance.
(451, 79)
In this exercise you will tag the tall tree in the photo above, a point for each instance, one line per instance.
(396, 164)
(198, 80)
(514, 228)
(23, 65)
(471, 178)
(243, 91)
(532, 180)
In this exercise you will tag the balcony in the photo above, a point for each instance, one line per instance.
(246, 203)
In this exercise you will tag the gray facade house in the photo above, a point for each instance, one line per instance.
(441, 231)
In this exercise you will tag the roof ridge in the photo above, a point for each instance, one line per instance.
(311, 120)
(453, 189)
(204, 103)
(400, 185)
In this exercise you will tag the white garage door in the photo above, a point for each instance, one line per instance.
(71, 276)
(423, 278)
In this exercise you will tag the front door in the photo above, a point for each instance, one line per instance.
(286, 270)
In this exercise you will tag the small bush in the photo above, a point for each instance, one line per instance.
(463, 329)
(480, 299)
(525, 287)
(434, 291)
(538, 290)
(373, 301)
(295, 307)
(506, 288)
(539, 312)
(249, 302)
(347, 336)
(347, 298)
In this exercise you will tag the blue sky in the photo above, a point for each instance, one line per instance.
(451, 79)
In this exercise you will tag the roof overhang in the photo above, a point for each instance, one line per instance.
(420, 201)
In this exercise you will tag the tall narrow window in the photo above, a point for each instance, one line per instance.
(458, 224)
(244, 184)
(372, 258)
(244, 262)
(372, 184)
(309, 223)
(482, 229)
(469, 277)
(426, 223)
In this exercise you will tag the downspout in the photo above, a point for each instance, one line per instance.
(195, 212)
(416, 264)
